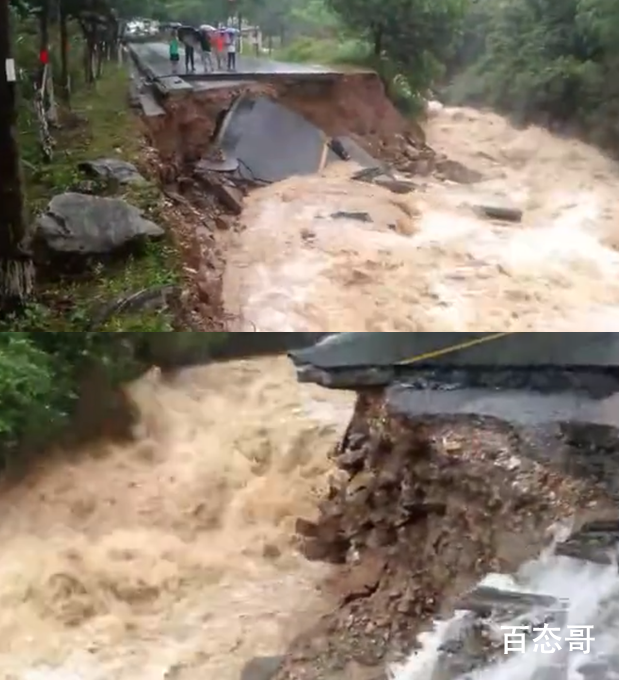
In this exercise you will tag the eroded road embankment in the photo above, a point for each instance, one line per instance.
(217, 144)
(424, 509)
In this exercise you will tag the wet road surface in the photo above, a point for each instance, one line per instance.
(155, 57)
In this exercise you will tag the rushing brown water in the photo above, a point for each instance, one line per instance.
(427, 261)
(174, 555)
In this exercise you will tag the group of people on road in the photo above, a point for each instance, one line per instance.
(221, 44)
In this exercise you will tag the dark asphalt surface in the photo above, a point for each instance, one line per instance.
(254, 127)
(155, 56)
(546, 363)
(500, 350)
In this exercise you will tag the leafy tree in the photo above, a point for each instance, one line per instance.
(414, 35)
(551, 61)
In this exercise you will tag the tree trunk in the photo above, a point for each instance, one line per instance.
(101, 51)
(65, 85)
(16, 268)
(378, 41)
(89, 60)
(52, 109)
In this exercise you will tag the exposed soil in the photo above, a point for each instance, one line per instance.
(423, 511)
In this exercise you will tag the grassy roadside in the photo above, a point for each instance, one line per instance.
(324, 51)
(100, 124)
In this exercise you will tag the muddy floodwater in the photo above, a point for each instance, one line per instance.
(174, 555)
(427, 261)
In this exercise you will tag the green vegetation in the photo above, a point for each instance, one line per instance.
(548, 61)
(43, 375)
(39, 385)
(98, 124)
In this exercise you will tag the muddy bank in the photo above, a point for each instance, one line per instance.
(423, 509)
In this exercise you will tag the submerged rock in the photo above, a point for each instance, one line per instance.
(261, 668)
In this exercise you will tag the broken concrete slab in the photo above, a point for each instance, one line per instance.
(359, 216)
(114, 169)
(595, 542)
(382, 176)
(223, 164)
(396, 186)
(468, 644)
(229, 195)
(347, 149)
(149, 105)
(255, 127)
(173, 87)
(533, 378)
(367, 174)
(485, 599)
(79, 224)
(537, 350)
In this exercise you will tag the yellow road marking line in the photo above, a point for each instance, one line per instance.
(454, 348)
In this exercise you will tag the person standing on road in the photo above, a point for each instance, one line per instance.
(219, 50)
(205, 46)
(174, 52)
(190, 58)
(231, 50)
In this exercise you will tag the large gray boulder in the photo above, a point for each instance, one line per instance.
(112, 169)
(79, 224)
